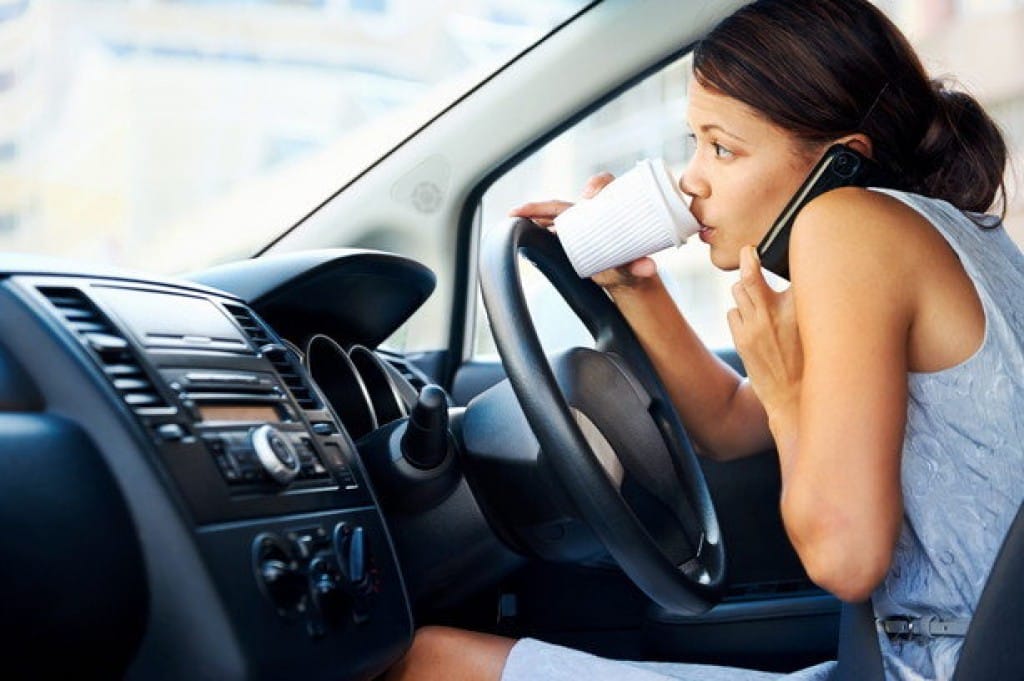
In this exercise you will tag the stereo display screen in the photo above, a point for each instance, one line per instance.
(248, 413)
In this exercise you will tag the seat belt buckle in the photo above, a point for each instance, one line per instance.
(897, 628)
(921, 629)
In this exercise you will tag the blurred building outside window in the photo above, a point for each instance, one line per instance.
(168, 135)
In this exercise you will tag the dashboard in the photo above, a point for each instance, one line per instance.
(180, 479)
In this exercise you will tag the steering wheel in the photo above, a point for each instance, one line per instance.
(607, 427)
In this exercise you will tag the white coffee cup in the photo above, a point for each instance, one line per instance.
(639, 213)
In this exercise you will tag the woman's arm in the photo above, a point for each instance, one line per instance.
(721, 413)
(839, 443)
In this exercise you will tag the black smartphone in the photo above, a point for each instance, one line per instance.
(840, 166)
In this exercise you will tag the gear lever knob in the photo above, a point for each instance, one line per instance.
(425, 441)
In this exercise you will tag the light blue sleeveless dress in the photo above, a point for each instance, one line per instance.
(962, 477)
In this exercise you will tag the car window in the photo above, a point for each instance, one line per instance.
(169, 135)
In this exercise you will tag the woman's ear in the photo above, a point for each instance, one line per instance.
(859, 142)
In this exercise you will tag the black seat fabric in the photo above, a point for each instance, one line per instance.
(994, 648)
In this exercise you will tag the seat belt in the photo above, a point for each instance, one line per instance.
(860, 657)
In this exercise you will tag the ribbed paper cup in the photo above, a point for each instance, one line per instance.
(640, 213)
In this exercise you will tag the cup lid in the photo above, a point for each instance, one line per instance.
(676, 203)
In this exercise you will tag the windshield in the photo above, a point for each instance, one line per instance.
(170, 135)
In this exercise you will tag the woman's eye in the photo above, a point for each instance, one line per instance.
(718, 150)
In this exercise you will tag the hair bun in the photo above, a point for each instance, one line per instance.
(960, 147)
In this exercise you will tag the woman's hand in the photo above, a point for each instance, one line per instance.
(544, 213)
(764, 329)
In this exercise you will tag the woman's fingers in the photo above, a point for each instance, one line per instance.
(755, 301)
(735, 320)
(751, 276)
(541, 212)
(627, 275)
(643, 267)
(764, 329)
(596, 183)
(751, 292)
(744, 302)
(545, 212)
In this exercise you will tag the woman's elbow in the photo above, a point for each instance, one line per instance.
(848, 578)
(841, 556)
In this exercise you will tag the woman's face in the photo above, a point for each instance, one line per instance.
(743, 171)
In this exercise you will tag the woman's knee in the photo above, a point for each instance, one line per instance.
(449, 653)
(436, 641)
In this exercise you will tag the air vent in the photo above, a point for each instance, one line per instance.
(285, 362)
(111, 347)
(252, 328)
(413, 375)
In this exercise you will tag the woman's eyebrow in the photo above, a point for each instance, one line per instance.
(707, 127)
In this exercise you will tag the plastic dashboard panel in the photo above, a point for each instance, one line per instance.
(302, 292)
(165, 544)
(70, 547)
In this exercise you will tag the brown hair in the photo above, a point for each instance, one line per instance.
(829, 68)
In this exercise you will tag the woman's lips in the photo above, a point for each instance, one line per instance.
(706, 233)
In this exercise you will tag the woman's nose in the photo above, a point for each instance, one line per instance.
(692, 186)
(692, 183)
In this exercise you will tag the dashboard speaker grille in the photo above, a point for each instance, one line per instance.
(285, 363)
(110, 346)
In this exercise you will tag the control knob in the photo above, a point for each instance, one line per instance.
(275, 453)
(278, 574)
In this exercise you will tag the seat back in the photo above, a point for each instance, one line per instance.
(994, 647)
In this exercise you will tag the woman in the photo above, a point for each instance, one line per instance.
(889, 376)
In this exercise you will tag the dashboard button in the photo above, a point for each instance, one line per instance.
(170, 431)
(227, 467)
(324, 428)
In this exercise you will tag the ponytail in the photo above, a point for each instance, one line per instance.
(962, 155)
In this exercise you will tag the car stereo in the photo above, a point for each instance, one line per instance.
(231, 413)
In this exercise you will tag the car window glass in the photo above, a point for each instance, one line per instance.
(169, 135)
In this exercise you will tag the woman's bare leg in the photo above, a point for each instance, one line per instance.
(452, 655)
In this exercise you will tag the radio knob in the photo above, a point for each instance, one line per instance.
(275, 453)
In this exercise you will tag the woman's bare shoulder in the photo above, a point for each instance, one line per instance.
(852, 229)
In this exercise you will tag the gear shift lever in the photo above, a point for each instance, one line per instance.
(425, 441)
